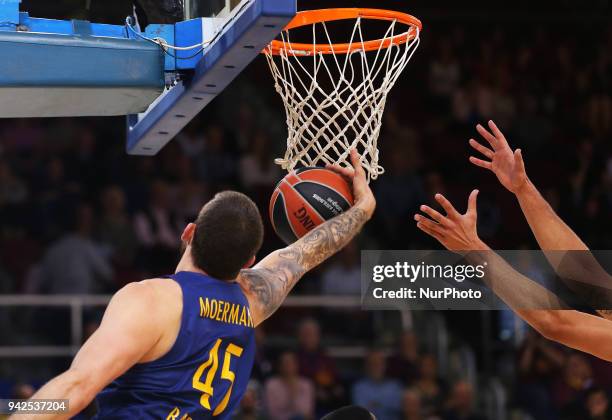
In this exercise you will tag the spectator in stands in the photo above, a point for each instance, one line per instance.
(411, 405)
(430, 386)
(460, 405)
(597, 405)
(403, 364)
(343, 275)
(400, 192)
(538, 362)
(257, 171)
(288, 395)
(217, 165)
(376, 392)
(115, 228)
(191, 141)
(257, 167)
(317, 366)
(576, 379)
(55, 193)
(13, 190)
(444, 75)
(158, 230)
(250, 405)
(21, 134)
(75, 264)
(187, 192)
(262, 368)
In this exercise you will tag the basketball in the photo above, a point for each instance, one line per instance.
(306, 198)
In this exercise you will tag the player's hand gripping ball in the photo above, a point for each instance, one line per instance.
(306, 198)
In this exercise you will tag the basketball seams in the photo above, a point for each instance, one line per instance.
(323, 220)
(287, 215)
(301, 171)
(272, 204)
(303, 201)
(284, 207)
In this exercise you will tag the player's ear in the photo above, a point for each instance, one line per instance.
(188, 233)
(250, 262)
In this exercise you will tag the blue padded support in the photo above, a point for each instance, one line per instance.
(99, 75)
(9, 12)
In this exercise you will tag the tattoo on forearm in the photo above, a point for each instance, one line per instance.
(272, 284)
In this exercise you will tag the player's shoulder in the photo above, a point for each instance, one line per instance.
(149, 291)
(160, 300)
(160, 284)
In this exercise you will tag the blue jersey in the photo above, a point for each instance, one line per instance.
(205, 373)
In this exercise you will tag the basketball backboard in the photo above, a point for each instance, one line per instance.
(210, 8)
(162, 75)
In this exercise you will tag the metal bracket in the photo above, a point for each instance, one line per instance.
(252, 29)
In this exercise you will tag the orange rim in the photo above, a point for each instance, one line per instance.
(311, 17)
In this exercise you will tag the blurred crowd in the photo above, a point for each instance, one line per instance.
(401, 384)
(79, 216)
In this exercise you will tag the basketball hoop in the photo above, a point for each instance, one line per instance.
(334, 104)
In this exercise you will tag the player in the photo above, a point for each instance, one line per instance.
(182, 347)
(457, 232)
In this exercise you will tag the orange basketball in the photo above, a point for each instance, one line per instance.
(306, 198)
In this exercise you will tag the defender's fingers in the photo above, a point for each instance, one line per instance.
(429, 223)
(436, 235)
(488, 136)
(497, 132)
(472, 202)
(346, 172)
(434, 214)
(481, 163)
(482, 149)
(446, 205)
(518, 159)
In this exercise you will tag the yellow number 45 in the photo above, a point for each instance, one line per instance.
(210, 367)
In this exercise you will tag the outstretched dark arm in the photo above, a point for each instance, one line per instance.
(567, 253)
(536, 305)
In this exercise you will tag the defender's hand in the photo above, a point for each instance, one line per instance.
(507, 165)
(456, 231)
(362, 193)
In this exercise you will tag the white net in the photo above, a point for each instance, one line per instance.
(335, 102)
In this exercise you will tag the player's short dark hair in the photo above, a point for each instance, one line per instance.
(229, 232)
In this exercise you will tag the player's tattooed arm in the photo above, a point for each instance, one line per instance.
(268, 284)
